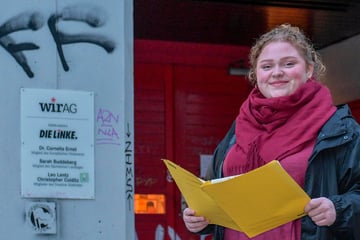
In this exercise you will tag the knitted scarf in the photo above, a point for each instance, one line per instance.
(274, 128)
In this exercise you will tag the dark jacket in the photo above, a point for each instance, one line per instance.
(333, 172)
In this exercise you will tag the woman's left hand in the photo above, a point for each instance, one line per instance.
(321, 211)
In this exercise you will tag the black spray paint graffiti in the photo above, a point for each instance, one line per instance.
(23, 21)
(34, 21)
(87, 15)
(129, 169)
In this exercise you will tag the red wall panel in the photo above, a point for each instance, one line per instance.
(150, 145)
(185, 101)
(355, 109)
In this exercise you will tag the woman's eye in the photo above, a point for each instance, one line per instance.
(266, 67)
(289, 64)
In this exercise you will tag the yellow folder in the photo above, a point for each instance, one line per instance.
(253, 203)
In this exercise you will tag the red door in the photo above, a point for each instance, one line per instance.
(150, 146)
(207, 100)
(185, 101)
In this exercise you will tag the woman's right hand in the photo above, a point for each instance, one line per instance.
(194, 223)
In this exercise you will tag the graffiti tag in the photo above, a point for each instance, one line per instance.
(34, 21)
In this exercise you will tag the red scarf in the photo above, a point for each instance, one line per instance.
(274, 128)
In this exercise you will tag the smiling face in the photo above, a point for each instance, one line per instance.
(281, 69)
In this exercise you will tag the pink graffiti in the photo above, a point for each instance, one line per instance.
(106, 132)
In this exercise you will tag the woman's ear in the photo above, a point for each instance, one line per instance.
(310, 71)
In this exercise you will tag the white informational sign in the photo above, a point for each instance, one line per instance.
(57, 144)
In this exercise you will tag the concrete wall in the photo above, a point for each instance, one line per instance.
(94, 54)
(343, 69)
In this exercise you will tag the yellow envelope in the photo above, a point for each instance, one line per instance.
(253, 203)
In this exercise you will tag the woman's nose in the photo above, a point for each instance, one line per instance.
(277, 71)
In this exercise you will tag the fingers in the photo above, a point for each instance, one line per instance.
(321, 211)
(188, 212)
(194, 223)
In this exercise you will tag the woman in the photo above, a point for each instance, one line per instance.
(289, 116)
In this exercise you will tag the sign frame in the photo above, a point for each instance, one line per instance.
(57, 144)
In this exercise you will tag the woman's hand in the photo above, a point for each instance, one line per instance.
(194, 223)
(321, 211)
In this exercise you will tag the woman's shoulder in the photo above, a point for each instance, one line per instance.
(342, 115)
(344, 112)
(340, 124)
(343, 122)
